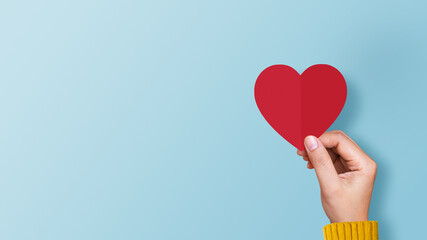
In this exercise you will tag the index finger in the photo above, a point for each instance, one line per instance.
(344, 145)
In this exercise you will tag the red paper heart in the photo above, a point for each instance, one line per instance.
(300, 105)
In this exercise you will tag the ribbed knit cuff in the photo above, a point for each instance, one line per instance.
(364, 230)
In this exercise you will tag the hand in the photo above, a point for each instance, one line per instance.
(346, 175)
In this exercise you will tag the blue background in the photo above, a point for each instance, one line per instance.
(136, 119)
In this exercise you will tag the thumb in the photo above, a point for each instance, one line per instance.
(322, 162)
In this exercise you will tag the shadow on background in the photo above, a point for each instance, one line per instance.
(344, 122)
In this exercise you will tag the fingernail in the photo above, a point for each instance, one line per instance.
(311, 143)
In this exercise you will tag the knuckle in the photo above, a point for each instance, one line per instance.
(340, 133)
(321, 161)
(374, 165)
(371, 167)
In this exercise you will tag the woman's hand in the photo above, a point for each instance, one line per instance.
(346, 175)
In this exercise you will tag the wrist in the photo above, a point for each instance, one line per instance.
(350, 218)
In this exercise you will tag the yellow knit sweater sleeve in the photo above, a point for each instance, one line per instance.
(365, 230)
